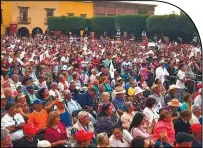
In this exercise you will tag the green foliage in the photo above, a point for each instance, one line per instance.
(89, 24)
(142, 10)
(66, 23)
(103, 23)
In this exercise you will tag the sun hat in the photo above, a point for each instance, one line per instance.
(175, 103)
(138, 90)
(30, 129)
(82, 135)
(82, 114)
(196, 128)
(119, 78)
(173, 87)
(119, 90)
(155, 86)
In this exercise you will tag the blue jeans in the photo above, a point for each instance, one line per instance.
(180, 95)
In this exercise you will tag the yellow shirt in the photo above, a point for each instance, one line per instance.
(131, 91)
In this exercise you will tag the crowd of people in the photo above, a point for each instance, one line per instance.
(68, 91)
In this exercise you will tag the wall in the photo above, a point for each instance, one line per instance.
(76, 7)
(6, 15)
(36, 12)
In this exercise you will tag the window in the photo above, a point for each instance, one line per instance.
(1, 16)
(83, 15)
(70, 14)
(50, 12)
(23, 14)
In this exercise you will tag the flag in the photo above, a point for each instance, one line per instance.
(111, 70)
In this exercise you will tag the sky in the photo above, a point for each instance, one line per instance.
(161, 8)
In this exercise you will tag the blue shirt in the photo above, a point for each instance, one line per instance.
(11, 100)
(85, 99)
(195, 144)
(73, 105)
(184, 106)
(119, 104)
(65, 119)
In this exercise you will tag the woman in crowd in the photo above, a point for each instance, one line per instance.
(22, 107)
(120, 137)
(163, 90)
(106, 120)
(128, 115)
(56, 131)
(165, 125)
(139, 142)
(143, 85)
(107, 85)
(102, 140)
(63, 84)
(187, 102)
(49, 101)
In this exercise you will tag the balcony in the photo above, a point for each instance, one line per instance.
(45, 21)
(21, 20)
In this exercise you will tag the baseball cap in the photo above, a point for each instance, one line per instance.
(183, 137)
(38, 101)
(196, 128)
(82, 135)
(30, 129)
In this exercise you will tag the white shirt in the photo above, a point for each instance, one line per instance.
(198, 100)
(161, 73)
(92, 78)
(61, 86)
(181, 76)
(54, 93)
(194, 120)
(124, 64)
(127, 138)
(64, 59)
(7, 121)
(151, 114)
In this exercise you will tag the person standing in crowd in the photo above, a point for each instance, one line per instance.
(187, 102)
(184, 140)
(171, 72)
(139, 100)
(102, 140)
(161, 72)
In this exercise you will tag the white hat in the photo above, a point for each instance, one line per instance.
(64, 67)
(119, 90)
(173, 87)
(43, 143)
(138, 90)
(69, 68)
(114, 56)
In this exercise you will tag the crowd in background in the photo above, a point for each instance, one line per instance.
(68, 91)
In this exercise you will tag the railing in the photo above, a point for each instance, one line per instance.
(22, 20)
(45, 21)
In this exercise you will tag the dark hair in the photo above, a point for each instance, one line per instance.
(137, 142)
(9, 105)
(163, 114)
(105, 107)
(186, 97)
(185, 113)
(137, 119)
(40, 93)
(156, 81)
(93, 90)
(181, 65)
(118, 126)
(150, 102)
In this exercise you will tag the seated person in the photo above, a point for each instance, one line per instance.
(56, 131)
(29, 139)
(83, 138)
(5, 138)
(39, 118)
(14, 122)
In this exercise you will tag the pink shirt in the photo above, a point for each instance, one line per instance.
(164, 126)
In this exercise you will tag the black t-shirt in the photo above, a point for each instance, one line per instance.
(24, 142)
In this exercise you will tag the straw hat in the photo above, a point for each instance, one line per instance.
(119, 90)
(173, 87)
(175, 103)
(138, 90)
(155, 86)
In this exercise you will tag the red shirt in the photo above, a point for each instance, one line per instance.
(52, 135)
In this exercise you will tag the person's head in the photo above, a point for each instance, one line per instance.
(72, 85)
(21, 98)
(83, 117)
(30, 89)
(75, 76)
(54, 85)
(105, 96)
(127, 58)
(107, 110)
(3, 100)
(186, 115)
(38, 105)
(139, 142)
(103, 140)
(173, 90)
(165, 116)
(11, 109)
(15, 78)
(138, 120)
(53, 119)
(118, 132)
(196, 110)
(171, 63)
(120, 92)
(83, 138)
(158, 82)
(196, 130)
(101, 88)
(184, 139)
(92, 92)
(60, 103)
(187, 97)
(7, 92)
(156, 89)
(132, 84)
(61, 78)
(138, 92)
(5, 137)
(128, 106)
(29, 130)
(142, 78)
(93, 71)
(150, 102)
(67, 94)
(43, 93)
(182, 67)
